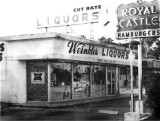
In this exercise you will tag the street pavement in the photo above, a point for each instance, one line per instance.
(84, 112)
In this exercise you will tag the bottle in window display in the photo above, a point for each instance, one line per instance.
(53, 80)
(67, 77)
(103, 76)
(52, 83)
(97, 76)
(77, 75)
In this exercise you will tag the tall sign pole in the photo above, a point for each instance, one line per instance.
(131, 72)
(140, 104)
(139, 71)
(140, 64)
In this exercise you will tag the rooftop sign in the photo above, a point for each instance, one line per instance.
(138, 20)
(81, 15)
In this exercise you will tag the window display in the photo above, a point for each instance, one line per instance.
(60, 81)
(61, 74)
(63, 86)
(125, 78)
(99, 81)
(81, 81)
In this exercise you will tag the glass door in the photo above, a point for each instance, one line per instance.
(81, 81)
(111, 83)
(60, 83)
(99, 81)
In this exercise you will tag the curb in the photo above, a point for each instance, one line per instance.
(60, 107)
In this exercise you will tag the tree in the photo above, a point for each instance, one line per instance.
(83, 36)
(104, 40)
(151, 48)
(156, 51)
(152, 87)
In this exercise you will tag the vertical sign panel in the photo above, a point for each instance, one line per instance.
(3, 62)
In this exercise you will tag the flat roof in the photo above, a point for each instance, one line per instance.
(57, 35)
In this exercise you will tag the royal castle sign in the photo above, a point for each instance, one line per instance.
(138, 20)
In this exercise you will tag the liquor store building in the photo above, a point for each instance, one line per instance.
(55, 67)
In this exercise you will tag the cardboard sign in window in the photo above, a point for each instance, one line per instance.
(37, 77)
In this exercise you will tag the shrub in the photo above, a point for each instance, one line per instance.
(152, 87)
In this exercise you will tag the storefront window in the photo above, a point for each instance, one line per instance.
(125, 78)
(62, 87)
(99, 81)
(60, 81)
(135, 79)
(81, 81)
(123, 81)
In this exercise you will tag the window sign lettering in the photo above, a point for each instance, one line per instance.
(37, 77)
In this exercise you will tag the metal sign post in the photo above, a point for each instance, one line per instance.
(140, 69)
(140, 102)
(131, 72)
(131, 42)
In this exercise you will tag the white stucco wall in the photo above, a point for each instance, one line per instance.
(13, 89)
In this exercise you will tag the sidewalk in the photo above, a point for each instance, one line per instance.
(68, 102)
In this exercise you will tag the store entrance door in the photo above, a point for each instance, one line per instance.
(111, 83)
(81, 81)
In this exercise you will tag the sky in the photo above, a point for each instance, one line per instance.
(20, 16)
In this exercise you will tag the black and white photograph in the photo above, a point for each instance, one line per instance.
(80, 60)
